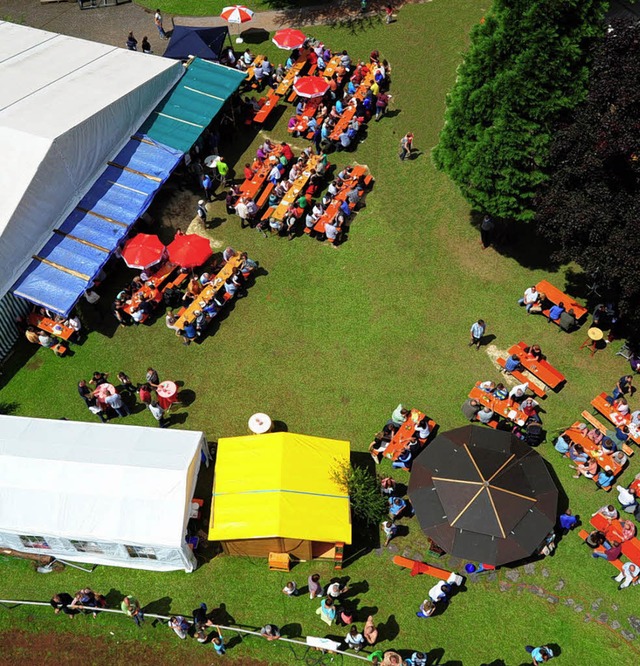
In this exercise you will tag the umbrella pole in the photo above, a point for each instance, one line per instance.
(239, 39)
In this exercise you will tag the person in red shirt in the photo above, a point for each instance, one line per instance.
(287, 152)
(145, 394)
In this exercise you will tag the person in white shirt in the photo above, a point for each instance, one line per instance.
(628, 575)
(609, 512)
(635, 418)
(530, 298)
(290, 589)
(518, 392)
(354, 639)
(627, 499)
(242, 212)
(440, 591)
(485, 415)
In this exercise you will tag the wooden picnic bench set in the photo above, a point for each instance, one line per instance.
(612, 529)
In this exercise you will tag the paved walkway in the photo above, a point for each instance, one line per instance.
(110, 25)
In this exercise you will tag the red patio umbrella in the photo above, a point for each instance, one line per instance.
(189, 250)
(143, 251)
(289, 39)
(311, 86)
(236, 14)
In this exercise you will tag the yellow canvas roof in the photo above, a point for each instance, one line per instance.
(279, 485)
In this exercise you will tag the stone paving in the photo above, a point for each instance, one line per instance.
(110, 25)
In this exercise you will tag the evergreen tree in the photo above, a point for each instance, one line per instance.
(590, 209)
(526, 68)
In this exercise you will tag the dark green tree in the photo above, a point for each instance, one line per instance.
(368, 505)
(527, 66)
(590, 208)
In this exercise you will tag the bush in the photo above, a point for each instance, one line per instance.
(368, 506)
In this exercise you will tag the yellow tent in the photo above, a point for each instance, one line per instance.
(276, 493)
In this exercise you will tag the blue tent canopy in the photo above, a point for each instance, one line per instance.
(186, 41)
(79, 248)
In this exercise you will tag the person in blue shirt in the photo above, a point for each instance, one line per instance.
(568, 521)
(605, 478)
(539, 655)
(556, 311)
(190, 333)
(512, 363)
(396, 507)
(218, 642)
(477, 332)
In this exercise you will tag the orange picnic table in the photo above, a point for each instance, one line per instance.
(269, 105)
(333, 208)
(152, 289)
(252, 187)
(613, 530)
(613, 415)
(252, 67)
(342, 124)
(331, 67)
(289, 77)
(542, 369)
(207, 294)
(506, 409)
(604, 460)
(50, 326)
(404, 434)
(364, 86)
(309, 111)
(296, 188)
(556, 296)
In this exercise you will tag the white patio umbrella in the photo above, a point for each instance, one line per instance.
(237, 14)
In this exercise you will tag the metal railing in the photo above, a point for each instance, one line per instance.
(12, 603)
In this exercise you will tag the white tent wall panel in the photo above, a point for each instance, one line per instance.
(112, 554)
(128, 488)
(67, 106)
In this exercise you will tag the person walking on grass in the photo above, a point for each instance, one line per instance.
(486, 231)
(406, 146)
(158, 413)
(315, 588)
(477, 331)
(131, 607)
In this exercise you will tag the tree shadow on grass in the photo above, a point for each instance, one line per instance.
(519, 241)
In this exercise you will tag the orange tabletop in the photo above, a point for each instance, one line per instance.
(309, 111)
(604, 460)
(207, 294)
(252, 67)
(506, 409)
(364, 86)
(50, 326)
(613, 415)
(611, 529)
(333, 208)
(296, 188)
(289, 77)
(543, 370)
(151, 294)
(556, 296)
(331, 67)
(270, 104)
(252, 187)
(343, 123)
(403, 435)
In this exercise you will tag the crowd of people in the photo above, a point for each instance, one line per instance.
(119, 401)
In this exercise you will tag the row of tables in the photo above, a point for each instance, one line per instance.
(209, 292)
(296, 188)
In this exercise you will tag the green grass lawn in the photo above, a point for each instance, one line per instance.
(329, 341)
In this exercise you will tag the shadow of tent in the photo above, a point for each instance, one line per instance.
(255, 35)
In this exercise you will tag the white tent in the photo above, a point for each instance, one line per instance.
(67, 106)
(106, 494)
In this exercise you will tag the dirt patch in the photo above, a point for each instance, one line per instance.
(34, 364)
(494, 353)
(81, 650)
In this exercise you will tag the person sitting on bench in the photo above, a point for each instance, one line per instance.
(512, 363)
(556, 311)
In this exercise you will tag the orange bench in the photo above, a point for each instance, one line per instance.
(630, 548)
(583, 534)
(541, 369)
(262, 200)
(590, 418)
(424, 568)
(269, 103)
(601, 405)
(556, 296)
(522, 378)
